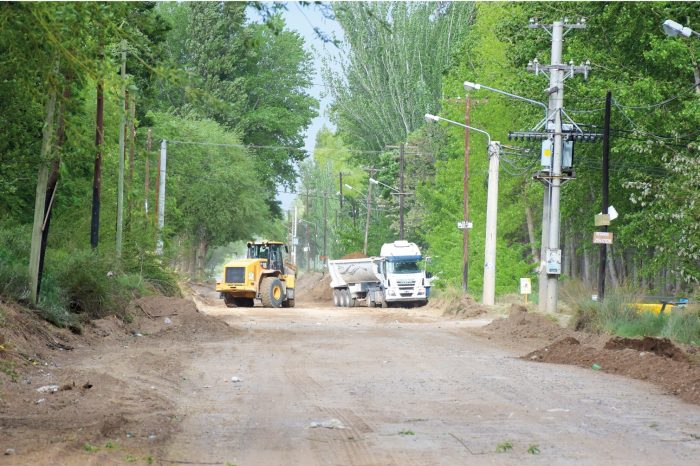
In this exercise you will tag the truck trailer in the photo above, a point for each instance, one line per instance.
(394, 278)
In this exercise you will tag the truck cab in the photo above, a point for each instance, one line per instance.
(405, 280)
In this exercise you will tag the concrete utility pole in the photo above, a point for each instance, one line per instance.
(401, 191)
(147, 176)
(295, 241)
(161, 195)
(325, 226)
(371, 171)
(340, 192)
(122, 147)
(558, 72)
(489, 292)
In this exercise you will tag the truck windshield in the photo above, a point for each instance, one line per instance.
(402, 267)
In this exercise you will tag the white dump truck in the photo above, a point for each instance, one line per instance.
(394, 277)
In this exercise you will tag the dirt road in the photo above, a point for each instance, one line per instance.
(329, 386)
(410, 388)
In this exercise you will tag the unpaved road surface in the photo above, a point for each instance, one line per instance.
(336, 386)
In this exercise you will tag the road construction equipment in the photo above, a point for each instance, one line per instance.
(393, 278)
(262, 275)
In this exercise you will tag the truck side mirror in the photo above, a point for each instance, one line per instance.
(428, 275)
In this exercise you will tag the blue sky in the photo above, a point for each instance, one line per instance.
(303, 20)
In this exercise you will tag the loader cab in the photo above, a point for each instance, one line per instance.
(272, 253)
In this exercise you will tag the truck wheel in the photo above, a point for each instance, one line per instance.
(345, 298)
(271, 292)
(336, 297)
(230, 301)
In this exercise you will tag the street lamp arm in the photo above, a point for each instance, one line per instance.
(429, 117)
(375, 181)
(470, 85)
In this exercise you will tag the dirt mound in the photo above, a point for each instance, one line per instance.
(677, 377)
(314, 288)
(522, 324)
(659, 346)
(176, 318)
(464, 306)
(355, 255)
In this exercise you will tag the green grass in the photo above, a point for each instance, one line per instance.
(88, 447)
(8, 368)
(616, 315)
(407, 432)
(533, 449)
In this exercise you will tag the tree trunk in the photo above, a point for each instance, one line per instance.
(201, 252)
(52, 181)
(572, 254)
(611, 266)
(586, 268)
(132, 149)
(40, 198)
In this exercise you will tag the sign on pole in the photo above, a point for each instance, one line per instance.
(464, 225)
(602, 237)
(525, 286)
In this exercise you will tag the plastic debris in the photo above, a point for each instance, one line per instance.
(328, 424)
(595, 367)
(48, 389)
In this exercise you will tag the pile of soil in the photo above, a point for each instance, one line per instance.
(464, 307)
(652, 359)
(314, 287)
(355, 255)
(663, 364)
(54, 400)
(521, 324)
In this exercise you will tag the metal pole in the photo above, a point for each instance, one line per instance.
(555, 180)
(161, 195)
(465, 182)
(605, 183)
(120, 184)
(401, 191)
(369, 206)
(489, 293)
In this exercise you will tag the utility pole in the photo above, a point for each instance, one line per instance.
(147, 176)
(558, 72)
(132, 156)
(97, 174)
(122, 147)
(401, 192)
(325, 227)
(308, 245)
(161, 195)
(465, 203)
(605, 183)
(371, 171)
(340, 175)
(295, 241)
(489, 291)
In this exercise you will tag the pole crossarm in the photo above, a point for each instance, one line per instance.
(541, 136)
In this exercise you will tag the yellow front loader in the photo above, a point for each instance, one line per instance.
(262, 275)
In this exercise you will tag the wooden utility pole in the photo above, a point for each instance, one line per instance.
(132, 154)
(122, 147)
(468, 103)
(325, 226)
(605, 184)
(97, 174)
(371, 171)
(308, 245)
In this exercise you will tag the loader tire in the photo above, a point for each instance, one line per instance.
(271, 292)
(230, 301)
(288, 303)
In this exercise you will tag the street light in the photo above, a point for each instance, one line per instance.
(469, 85)
(373, 181)
(673, 29)
(489, 292)
(546, 198)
